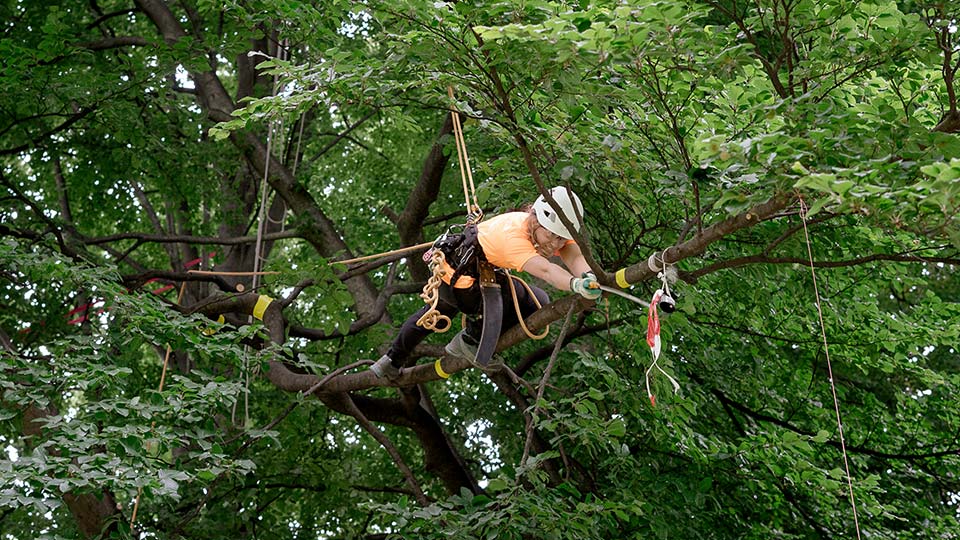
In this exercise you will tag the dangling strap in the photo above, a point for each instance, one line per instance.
(653, 340)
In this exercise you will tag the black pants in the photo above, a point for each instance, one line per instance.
(470, 302)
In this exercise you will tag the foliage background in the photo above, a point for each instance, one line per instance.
(138, 140)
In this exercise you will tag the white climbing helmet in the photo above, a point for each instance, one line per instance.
(548, 218)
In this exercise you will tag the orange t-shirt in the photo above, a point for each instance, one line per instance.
(505, 242)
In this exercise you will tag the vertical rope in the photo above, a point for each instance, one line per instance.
(466, 175)
(261, 225)
(826, 351)
(261, 221)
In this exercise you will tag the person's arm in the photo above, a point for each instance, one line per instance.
(573, 259)
(551, 273)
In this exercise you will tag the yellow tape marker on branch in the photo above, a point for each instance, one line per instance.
(209, 331)
(443, 374)
(621, 277)
(261, 306)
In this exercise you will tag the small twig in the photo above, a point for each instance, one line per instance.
(516, 379)
(388, 445)
(297, 289)
(543, 383)
(334, 373)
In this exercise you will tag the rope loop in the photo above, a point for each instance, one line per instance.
(433, 319)
(516, 306)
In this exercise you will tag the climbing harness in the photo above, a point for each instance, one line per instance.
(492, 313)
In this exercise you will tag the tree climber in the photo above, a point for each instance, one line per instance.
(522, 240)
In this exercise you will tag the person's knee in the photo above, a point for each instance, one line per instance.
(541, 295)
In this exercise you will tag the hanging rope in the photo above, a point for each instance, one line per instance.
(430, 293)
(434, 257)
(163, 377)
(826, 351)
(262, 219)
(466, 175)
(516, 307)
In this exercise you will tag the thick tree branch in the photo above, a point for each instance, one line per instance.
(763, 259)
(699, 243)
(188, 239)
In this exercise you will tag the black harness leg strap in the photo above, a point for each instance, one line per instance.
(492, 313)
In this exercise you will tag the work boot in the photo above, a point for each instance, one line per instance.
(460, 346)
(384, 368)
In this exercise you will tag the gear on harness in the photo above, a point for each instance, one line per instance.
(433, 319)
(454, 249)
(462, 251)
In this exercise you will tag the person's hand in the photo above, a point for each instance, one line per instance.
(586, 286)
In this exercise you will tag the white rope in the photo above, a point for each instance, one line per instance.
(262, 219)
(826, 351)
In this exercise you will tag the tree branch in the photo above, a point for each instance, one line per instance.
(763, 259)
(36, 141)
(114, 43)
(902, 456)
(187, 239)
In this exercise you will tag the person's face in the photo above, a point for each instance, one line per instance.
(547, 241)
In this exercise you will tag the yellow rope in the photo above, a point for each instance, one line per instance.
(466, 175)
(516, 307)
(433, 319)
(431, 295)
